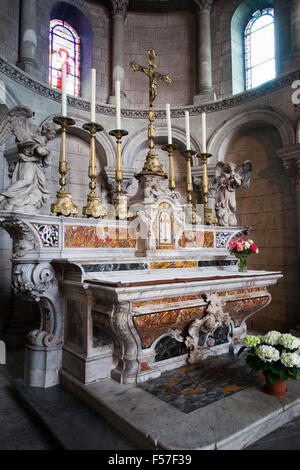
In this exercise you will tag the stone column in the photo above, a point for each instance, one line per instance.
(290, 157)
(295, 27)
(119, 12)
(28, 36)
(205, 91)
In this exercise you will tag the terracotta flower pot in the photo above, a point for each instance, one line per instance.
(278, 389)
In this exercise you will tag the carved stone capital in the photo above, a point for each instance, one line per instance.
(110, 181)
(119, 7)
(204, 4)
(23, 237)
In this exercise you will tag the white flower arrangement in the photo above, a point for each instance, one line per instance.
(276, 354)
(268, 353)
(290, 359)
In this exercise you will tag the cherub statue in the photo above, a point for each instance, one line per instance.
(227, 180)
(27, 192)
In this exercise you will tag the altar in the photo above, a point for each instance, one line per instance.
(145, 284)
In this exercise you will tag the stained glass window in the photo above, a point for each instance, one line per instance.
(64, 47)
(260, 48)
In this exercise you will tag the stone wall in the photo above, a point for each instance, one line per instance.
(268, 207)
(172, 36)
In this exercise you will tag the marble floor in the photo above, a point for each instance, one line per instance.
(64, 422)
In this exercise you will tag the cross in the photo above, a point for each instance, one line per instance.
(166, 222)
(153, 75)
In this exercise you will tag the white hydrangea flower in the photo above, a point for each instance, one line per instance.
(251, 341)
(290, 359)
(289, 341)
(272, 338)
(267, 353)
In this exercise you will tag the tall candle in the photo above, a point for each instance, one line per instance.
(187, 130)
(203, 133)
(168, 112)
(118, 103)
(93, 95)
(64, 90)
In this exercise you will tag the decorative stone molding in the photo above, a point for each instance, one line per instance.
(22, 78)
(24, 239)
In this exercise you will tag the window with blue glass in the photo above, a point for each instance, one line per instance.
(64, 47)
(260, 48)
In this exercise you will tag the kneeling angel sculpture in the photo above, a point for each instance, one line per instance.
(227, 180)
(27, 192)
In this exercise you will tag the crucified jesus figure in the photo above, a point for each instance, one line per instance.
(153, 75)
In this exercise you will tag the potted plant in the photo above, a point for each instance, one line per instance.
(241, 249)
(276, 355)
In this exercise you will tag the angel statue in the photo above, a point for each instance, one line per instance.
(27, 192)
(227, 180)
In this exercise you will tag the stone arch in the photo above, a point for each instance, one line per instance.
(104, 148)
(140, 139)
(239, 20)
(221, 138)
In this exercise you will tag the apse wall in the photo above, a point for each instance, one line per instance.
(172, 35)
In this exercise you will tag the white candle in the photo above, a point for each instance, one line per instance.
(187, 130)
(168, 112)
(118, 103)
(203, 133)
(64, 90)
(93, 95)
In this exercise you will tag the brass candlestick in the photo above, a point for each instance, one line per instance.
(64, 204)
(192, 215)
(170, 148)
(209, 219)
(120, 202)
(94, 206)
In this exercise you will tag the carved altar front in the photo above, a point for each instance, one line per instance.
(114, 305)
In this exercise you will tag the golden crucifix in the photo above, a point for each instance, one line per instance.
(152, 164)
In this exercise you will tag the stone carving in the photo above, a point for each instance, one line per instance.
(37, 282)
(213, 319)
(27, 192)
(204, 4)
(22, 236)
(15, 74)
(120, 7)
(227, 180)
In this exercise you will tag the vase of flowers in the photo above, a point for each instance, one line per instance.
(241, 249)
(276, 355)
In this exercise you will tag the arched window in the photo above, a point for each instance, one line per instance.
(260, 48)
(64, 47)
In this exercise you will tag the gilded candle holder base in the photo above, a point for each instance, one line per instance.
(209, 218)
(94, 207)
(64, 204)
(170, 148)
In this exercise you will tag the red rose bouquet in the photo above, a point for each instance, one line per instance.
(241, 249)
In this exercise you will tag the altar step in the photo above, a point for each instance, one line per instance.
(69, 423)
(74, 426)
(232, 423)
